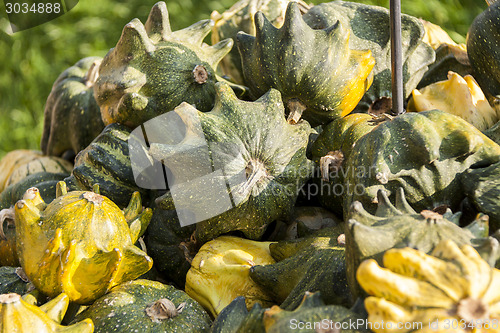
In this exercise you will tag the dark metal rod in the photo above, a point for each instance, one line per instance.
(396, 58)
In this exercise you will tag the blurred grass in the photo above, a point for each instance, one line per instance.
(32, 59)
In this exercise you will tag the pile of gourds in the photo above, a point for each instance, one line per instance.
(316, 209)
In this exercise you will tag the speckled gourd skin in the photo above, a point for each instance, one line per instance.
(398, 225)
(313, 263)
(339, 135)
(244, 137)
(72, 118)
(123, 309)
(152, 70)
(483, 49)
(13, 280)
(424, 153)
(240, 17)
(315, 67)
(81, 243)
(370, 30)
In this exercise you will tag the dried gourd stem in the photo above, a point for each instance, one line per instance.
(21, 274)
(330, 162)
(9, 298)
(92, 74)
(163, 309)
(431, 215)
(254, 172)
(200, 74)
(295, 109)
(6, 214)
(472, 309)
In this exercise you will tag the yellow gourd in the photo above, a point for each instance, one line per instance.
(458, 95)
(451, 290)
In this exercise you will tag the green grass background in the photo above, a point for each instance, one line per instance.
(31, 60)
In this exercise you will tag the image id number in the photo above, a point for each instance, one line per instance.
(39, 8)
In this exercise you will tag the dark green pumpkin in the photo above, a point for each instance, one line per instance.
(319, 76)
(424, 153)
(152, 70)
(106, 162)
(398, 225)
(13, 280)
(170, 245)
(72, 118)
(482, 186)
(370, 30)
(483, 49)
(238, 167)
(313, 263)
(128, 308)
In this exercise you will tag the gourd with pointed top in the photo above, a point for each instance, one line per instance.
(153, 69)
(240, 17)
(236, 168)
(17, 315)
(399, 225)
(369, 28)
(319, 76)
(81, 243)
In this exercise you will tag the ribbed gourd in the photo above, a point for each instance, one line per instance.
(435, 36)
(152, 69)
(146, 306)
(369, 28)
(72, 118)
(236, 168)
(49, 164)
(457, 95)
(451, 290)
(422, 152)
(81, 243)
(240, 17)
(398, 225)
(17, 315)
(319, 76)
(220, 272)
